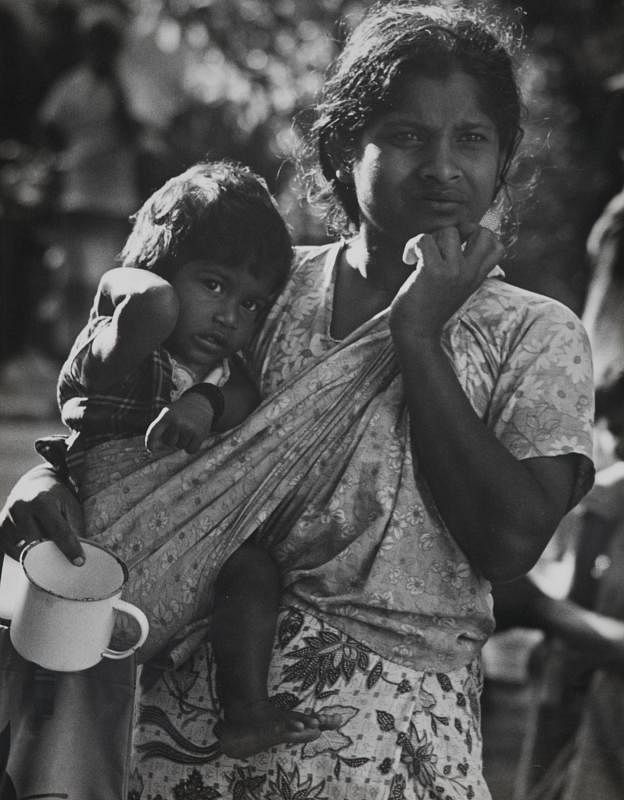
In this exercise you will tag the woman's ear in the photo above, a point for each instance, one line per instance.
(340, 163)
(343, 174)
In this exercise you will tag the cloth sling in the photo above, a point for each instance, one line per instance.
(176, 519)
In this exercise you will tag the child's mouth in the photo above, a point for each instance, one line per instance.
(211, 341)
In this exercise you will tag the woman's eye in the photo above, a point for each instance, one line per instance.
(406, 137)
(213, 285)
(473, 138)
(251, 305)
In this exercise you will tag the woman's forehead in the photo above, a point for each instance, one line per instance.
(456, 95)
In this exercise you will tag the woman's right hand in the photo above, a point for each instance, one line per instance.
(446, 273)
(40, 506)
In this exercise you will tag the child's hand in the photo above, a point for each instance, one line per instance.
(183, 425)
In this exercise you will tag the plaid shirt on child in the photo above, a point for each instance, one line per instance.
(125, 410)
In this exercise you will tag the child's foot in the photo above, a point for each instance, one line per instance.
(261, 725)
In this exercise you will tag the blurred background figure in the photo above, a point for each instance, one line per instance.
(604, 308)
(85, 118)
(573, 744)
(15, 92)
(37, 43)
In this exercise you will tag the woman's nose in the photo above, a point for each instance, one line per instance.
(439, 162)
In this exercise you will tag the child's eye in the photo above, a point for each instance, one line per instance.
(214, 285)
(251, 305)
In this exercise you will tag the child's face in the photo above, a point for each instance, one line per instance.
(220, 307)
(431, 162)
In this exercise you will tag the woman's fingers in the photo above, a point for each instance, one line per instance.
(41, 506)
(58, 518)
(448, 241)
(59, 529)
(67, 534)
(15, 535)
(483, 250)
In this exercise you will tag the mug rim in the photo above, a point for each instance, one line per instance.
(31, 546)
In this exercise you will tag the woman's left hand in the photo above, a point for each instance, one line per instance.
(41, 506)
(444, 277)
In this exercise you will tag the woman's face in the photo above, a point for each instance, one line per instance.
(433, 161)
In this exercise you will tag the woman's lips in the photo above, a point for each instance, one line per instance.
(442, 200)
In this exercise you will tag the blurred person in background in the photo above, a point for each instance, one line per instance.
(14, 129)
(36, 43)
(86, 119)
(574, 742)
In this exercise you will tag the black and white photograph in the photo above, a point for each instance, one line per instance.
(311, 399)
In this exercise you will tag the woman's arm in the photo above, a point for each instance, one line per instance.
(500, 510)
(144, 310)
(41, 506)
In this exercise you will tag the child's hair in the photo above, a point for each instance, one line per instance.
(219, 210)
(393, 40)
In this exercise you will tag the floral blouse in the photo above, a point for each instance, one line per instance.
(371, 553)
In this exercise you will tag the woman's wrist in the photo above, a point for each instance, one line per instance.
(416, 347)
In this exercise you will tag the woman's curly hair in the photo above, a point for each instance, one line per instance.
(393, 40)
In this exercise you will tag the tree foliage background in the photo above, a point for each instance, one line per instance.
(248, 67)
(260, 63)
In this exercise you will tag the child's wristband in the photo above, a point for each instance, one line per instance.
(213, 395)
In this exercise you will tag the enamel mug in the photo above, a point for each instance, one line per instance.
(63, 615)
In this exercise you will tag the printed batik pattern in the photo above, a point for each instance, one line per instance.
(404, 734)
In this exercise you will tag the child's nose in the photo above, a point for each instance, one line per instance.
(227, 314)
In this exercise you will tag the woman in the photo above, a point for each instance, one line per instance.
(426, 427)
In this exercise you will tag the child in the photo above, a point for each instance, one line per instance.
(207, 254)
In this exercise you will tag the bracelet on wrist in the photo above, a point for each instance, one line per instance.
(213, 394)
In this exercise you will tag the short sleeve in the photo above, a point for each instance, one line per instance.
(543, 403)
(71, 378)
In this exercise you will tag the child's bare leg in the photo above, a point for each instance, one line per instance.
(246, 601)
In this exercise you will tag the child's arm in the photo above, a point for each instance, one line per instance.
(189, 420)
(144, 310)
(182, 425)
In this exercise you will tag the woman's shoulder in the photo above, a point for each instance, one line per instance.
(312, 254)
(312, 268)
(500, 303)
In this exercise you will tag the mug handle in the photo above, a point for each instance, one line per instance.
(139, 616)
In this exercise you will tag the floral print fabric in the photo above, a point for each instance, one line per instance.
(384, 610)
(404, 734)
(323, 471)
(370, 552)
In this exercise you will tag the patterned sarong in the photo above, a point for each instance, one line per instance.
(404, 734)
